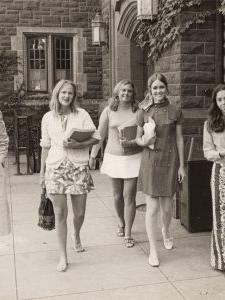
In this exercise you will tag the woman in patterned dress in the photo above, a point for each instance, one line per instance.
(162, 167)
(214, 150)
(122, 168)
(64, 163)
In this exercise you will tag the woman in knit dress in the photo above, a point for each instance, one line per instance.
(214, 150)
(162, 167)
(121, 168)
(64, 163)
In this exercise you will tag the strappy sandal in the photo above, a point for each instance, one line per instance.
(120, 231)
(168, 243)
(129, 242)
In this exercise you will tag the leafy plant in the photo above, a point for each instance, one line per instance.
(171, 23)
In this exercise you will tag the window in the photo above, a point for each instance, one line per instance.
(49, 59)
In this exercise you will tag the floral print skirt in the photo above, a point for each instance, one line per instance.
(218, 210)
(68, 178)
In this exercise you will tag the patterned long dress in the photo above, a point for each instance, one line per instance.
(213, 143)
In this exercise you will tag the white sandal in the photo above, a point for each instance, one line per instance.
(168, 243)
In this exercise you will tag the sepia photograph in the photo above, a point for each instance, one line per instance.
(112, 149)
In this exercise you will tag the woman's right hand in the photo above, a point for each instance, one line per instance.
(144, 143)
(92, 162)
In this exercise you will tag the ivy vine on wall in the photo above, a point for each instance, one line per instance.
(171, 22)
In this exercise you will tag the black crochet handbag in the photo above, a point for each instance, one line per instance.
(46, 216)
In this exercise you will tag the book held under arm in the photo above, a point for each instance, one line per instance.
(80, 135)
(129, 133)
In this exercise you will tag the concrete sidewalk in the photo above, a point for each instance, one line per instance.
(106, 270)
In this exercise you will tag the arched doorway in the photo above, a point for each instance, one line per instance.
(130, 60)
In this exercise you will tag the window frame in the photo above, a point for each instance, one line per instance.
(50, 58)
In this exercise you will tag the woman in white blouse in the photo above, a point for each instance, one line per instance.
(64, 162)
(4, 142)
(214, 150)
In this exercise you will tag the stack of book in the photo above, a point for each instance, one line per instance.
(129, 132)
(80, 135)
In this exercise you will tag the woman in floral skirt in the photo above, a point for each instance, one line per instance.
(64, 162)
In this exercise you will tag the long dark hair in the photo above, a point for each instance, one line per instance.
(216, 120)
(114, 101)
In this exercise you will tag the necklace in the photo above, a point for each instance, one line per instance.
(64, 119)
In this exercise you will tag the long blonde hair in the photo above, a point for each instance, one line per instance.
(114, 101)
(54, 102)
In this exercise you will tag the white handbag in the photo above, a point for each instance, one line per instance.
(5, 220)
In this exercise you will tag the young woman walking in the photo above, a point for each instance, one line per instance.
(163, 166)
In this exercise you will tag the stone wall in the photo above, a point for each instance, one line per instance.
(55, 14)
(190, 68)
(106, 58)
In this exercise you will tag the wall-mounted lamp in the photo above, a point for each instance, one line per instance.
(99, 30)
(147, 9)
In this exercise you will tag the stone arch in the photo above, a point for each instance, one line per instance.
(128, 21)
(131, 61)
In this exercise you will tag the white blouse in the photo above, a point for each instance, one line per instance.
(213, 144)
(55, 129)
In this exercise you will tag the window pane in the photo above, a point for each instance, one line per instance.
(67, 64)
(37, 71)
(67, 44)
(31, 54)
(63, 63)
(62, 54)
(67, 54)
(42, 64)
(32, 64)
(42, 54)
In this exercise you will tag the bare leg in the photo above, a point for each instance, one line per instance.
(117, 185)
(79, 208)
(129, 194)
(166, 207)
(151, 224)
(61, 212)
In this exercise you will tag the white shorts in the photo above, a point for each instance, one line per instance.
(119, 166)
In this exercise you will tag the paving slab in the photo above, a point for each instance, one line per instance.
(95, 231)
(189, 259)
(211, 288)
(7, 276)
(6, 244)
(107, 270)
(144, 292)
(97, 269)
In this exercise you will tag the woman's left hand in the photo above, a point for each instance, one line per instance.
(124, 142)
(181, 174)
(71, 143)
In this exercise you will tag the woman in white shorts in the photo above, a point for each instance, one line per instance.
(121, 167)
